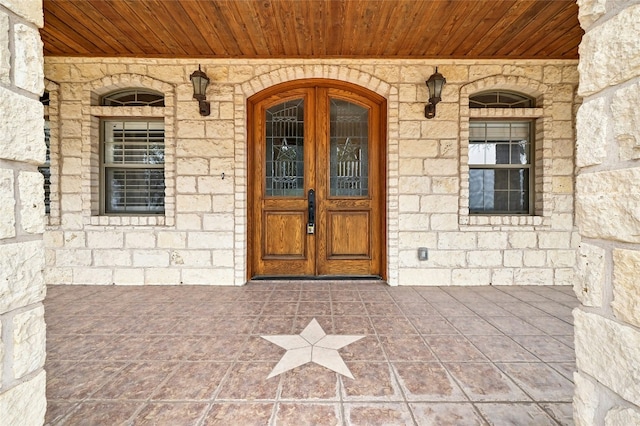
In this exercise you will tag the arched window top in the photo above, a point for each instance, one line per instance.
(133, 97)
(501, 99)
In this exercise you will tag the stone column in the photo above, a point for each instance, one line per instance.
(22, 148)
(607, 325)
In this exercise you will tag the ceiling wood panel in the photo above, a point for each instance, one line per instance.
(455, 29)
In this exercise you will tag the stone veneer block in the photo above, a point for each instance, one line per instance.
(622, 417)
(5, 53)
(1, 352)
(608, 351)
(591, 128)
(22, 124)
(30, 10)
(28, 59)
(7, 204)
(626, 292)
(22, 404)
(607, 206)
(31, 186)
(21, 281)
(585, 401)
(590, 11)
(28, 341)
(626, 128)
(591, 274)
(613, 52)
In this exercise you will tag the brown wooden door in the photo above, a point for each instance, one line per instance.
(327, 139)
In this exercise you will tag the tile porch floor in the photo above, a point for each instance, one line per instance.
(189, 355)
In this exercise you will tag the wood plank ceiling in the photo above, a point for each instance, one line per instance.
(451, 29)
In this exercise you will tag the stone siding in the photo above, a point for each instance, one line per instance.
(202, 237)
(608, 216)
(22, 149)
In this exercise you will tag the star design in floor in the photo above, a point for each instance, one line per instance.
(312, 345)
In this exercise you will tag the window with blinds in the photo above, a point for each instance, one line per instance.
(45, 169)
(133, 166)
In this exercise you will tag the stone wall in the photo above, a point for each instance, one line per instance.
(607, 326)
(22, 328)
(202, 237)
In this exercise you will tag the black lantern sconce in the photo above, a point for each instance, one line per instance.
(434, 84)
(200, 82)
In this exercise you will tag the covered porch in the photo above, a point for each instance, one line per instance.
(193, 355)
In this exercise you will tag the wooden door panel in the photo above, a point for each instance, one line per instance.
(284, 235)
(349, 235)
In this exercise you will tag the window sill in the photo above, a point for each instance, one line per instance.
(159, 220)
(503, 220)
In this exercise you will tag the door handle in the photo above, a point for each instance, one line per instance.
(311, 224)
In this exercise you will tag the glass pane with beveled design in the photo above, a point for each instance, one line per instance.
(349, 145)
(284, 154)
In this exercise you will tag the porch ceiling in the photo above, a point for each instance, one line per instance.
(452, 29)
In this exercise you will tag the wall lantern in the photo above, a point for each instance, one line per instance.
(434, 84)
(200, 82)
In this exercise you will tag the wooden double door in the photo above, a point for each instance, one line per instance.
(316, 181)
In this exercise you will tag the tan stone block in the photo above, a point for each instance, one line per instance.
(414, 184)
(502, 277)
(492, 240)
(440, 167)
(410, 129)
(71, 202)
(22, 124)
(484, 258)
(192, 166)
(162, 276)
(561, 258)
(439, 204)
(112, 258)
(208, 276)
(407, 93)
(445, 185)
(28, 60)
(533, 276)
(613, 52)
(220, 129)
(552, 74)
(626, 293)
(590, 11)
(533, 258)
(128, 276)
(592, 128)
(513, 258)
(191, 258)
(523, 239)
(28, 330)
(626, 126)
(412, 240)
(105, 239)
(425, 277)
(7, 204)
(25, 403)
(93, 276)
(417, 148)
(585, 400)
(562, 184)
(193, 203)
(73, 257)
(606, 208)
(150, 258)
(619, 416)
(609, 352)
(413, 222)
(74, 239)
(210, 240)
(5, 53)
(188, 221)
(457, 240)
(21, 281)
(437, 259)
(439, 129)
(411, 167)
(218, 222)
(444, 222)
(554, 240)
(168, 73)
(191, 129)
(471, 277)
(480, 71)
(170, 239)
(140, 239)
(31, 186)
(223, 258)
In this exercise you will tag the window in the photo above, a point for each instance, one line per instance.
(45, 169)
(132, 153)
(501, 158)
(133, 97)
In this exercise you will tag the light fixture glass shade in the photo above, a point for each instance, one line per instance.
(435, 84)
(200, 82)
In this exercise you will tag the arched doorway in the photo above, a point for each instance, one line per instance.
(317, 181)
